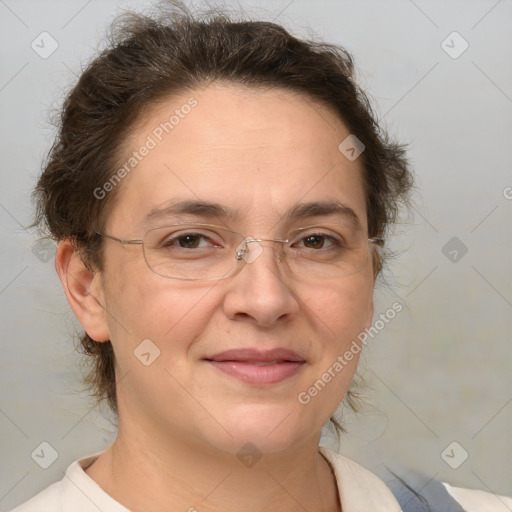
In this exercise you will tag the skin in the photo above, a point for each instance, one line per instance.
(181, 421)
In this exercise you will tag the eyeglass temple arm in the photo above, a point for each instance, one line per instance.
(120, 240)
(377, 241)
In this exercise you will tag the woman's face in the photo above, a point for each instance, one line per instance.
(257, 153)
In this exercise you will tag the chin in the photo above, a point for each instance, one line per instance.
(263, 429)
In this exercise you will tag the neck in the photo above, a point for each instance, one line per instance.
(146, 472)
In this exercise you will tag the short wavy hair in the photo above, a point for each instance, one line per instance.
(149, 57)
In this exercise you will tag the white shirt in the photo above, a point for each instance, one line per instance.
(359, 491)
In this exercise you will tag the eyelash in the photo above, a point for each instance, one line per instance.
(334, 242)
(175, 240)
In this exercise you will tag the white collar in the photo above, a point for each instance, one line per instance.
(359, 489)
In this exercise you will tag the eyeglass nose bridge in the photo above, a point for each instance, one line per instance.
(243, 252)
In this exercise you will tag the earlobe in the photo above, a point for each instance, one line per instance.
(84, 291)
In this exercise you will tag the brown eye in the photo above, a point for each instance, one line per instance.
(318, 241)
(314, 241)
(189, 241)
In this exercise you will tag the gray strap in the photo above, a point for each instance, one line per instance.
(416, 492)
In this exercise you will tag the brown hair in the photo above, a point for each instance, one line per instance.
(149, 58)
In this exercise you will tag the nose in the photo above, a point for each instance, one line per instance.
(260, 293)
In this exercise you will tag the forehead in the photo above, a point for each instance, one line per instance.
(257, 151)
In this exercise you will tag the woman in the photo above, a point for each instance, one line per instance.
(220, 193)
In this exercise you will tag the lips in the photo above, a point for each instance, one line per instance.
(258, 367)
(249, 355)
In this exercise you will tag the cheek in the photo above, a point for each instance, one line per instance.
(343, 310)
(170, 313)
(342, 313)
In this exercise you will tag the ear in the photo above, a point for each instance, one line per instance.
(84, 291)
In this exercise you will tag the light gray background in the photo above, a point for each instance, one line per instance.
(439, 372)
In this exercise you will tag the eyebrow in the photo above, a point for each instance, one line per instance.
(211, 210)
(190, 207)
(321, 209)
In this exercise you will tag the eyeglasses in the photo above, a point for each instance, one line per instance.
(206, 252)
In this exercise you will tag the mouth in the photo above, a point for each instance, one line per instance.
(257, 367)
